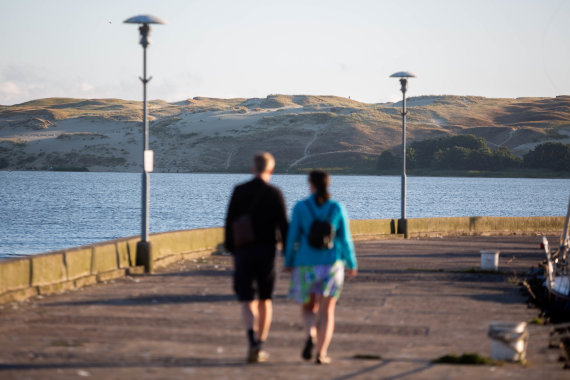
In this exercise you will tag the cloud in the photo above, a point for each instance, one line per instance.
(21, 83)
(9, 89)
(85, 87)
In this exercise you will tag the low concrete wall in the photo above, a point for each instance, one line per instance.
(54, 272)
(373, 228)
(168, 247)
(485, 225)
(58, 271)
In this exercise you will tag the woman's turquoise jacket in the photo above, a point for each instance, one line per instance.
(298, 251)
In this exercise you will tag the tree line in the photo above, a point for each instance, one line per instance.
(468, 152)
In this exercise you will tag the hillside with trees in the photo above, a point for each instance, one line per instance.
(471, 153)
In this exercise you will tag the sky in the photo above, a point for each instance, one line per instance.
(254, 48)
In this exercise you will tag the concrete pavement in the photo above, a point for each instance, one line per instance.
(413, 301)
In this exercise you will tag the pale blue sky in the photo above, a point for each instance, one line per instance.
(249, 48)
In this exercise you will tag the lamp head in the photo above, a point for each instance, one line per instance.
(144, 29)
(403, 75)
(404, 83)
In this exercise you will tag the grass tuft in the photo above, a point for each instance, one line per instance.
(536, 321)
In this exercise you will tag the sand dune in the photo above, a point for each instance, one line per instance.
(220, 135)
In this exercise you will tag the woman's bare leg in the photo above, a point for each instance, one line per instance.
(325, 324)
(309, 314)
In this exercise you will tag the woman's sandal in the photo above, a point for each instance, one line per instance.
(323, 359)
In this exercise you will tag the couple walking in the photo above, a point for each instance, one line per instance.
(317, 246)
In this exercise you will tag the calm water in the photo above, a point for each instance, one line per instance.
(43, 211)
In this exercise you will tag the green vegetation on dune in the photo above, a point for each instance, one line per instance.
(553, 156)
(54, 109)
(46, 102)
(468, 155)
(462, 152)
(202, 104)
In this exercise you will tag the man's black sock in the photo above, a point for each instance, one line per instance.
(251, 338)
(259, 344)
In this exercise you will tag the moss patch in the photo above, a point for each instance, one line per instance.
(536, 321)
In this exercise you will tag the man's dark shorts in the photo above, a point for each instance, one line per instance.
(254, 270)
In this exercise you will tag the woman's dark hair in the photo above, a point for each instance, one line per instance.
(320, 180)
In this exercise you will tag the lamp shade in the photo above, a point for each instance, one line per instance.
(403, 74)
(144, 19)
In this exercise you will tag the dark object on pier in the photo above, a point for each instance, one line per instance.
(557, 274)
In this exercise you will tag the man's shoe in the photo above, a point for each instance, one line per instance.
(252, 355)
(257, 355)
(307, 350)
(262, 356)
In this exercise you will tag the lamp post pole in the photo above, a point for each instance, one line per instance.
(144, 252)
(144, 30)
(404, 83)
(403, 222)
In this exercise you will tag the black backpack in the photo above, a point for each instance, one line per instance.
(322, 232)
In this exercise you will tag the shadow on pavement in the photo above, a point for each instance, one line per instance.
(196, 273)
(164, 363)
(151, 300)
(384, 363)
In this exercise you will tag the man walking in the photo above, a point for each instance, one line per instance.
(256, 214)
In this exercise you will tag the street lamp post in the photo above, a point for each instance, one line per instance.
(403, 222)
(144, 252)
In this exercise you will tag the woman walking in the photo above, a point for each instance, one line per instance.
(318, 249)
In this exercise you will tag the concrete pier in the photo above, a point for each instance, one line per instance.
(413, 301)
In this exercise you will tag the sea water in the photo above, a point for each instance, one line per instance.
(44, 211)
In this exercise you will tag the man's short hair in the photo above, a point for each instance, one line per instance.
(263, 162)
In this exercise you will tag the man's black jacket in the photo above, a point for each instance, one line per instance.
(268, 214)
